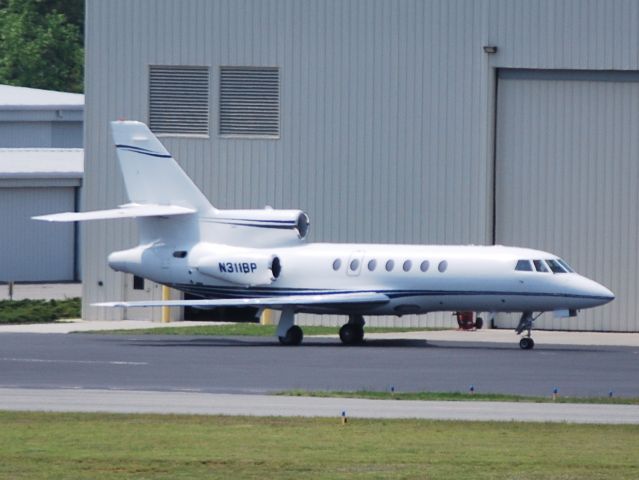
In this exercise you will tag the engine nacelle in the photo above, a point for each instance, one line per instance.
(250, 269)
(258, 228)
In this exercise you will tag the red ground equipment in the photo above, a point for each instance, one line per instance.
(467, 321)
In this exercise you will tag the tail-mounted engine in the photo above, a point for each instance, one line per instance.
(257, 228)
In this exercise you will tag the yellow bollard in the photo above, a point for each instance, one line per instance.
(166, 295)
(267, 317)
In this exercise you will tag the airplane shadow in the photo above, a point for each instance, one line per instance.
(259, 342)
(268, 342)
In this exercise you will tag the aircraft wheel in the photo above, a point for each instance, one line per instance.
(351, 334)
(294, 336)
(526, 343)
(479, 322)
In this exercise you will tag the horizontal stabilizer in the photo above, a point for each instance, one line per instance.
(131, 210)
(271, 302)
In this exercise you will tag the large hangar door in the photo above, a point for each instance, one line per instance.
(36, 251)
(567, 181)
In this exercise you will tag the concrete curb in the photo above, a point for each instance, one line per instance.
(125, 401)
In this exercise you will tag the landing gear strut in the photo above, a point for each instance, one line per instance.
(526, 323)
(352, 333)
(287, 332)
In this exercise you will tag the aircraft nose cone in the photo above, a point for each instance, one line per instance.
(607, 294)
(599, 292)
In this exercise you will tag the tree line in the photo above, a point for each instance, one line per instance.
(42, 44)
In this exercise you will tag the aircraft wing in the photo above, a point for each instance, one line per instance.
(131, 210)
(271, 302)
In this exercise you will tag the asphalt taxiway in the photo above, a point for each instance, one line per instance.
(261, 365)
(162, 373)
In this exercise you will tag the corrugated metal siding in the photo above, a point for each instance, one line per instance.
(376, 139)
(41, 134)
(387, 107)
(566, 34)
(49, 247)
(25, 134)
(66, 134)
(567, 175)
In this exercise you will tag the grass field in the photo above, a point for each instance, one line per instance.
(107, 446)
(242, 329)
(460, 397)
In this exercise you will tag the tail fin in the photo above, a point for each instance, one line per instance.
(151, 175)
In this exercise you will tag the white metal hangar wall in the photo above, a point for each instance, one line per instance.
(393, 125)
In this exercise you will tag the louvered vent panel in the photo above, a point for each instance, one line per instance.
(179, 100)
(250, 101)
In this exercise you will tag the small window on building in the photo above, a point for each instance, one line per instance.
(138, 283)
(179, 99)
(407, 265)
(443, 265)
(424, 266)
(337, 263)
(540, 266)
(523, 266)
(372, 264)
(354, 265)
(250, 101)
(390, 265)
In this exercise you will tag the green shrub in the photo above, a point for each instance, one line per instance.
(38, 311)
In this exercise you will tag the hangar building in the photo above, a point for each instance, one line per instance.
(41, 166)
(464, 121)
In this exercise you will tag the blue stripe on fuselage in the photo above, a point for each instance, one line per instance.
(241, 292)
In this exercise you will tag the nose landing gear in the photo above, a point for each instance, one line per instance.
(526, 343)
(526, 323)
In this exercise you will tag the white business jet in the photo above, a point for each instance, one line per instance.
(260, 258)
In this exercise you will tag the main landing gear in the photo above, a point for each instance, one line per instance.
(287, 332)
(290, 334)
(352, 333)
(293, 336)
(526, 323)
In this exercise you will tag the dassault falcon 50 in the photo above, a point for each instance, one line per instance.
(260, 258)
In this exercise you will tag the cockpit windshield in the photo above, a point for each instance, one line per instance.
(523, 266)
(540, 265)
(565, 265)
(554, 265)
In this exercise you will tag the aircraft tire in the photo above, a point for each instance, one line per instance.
(479, 322)
(351, 334)
(526, 343)
(294, 336)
